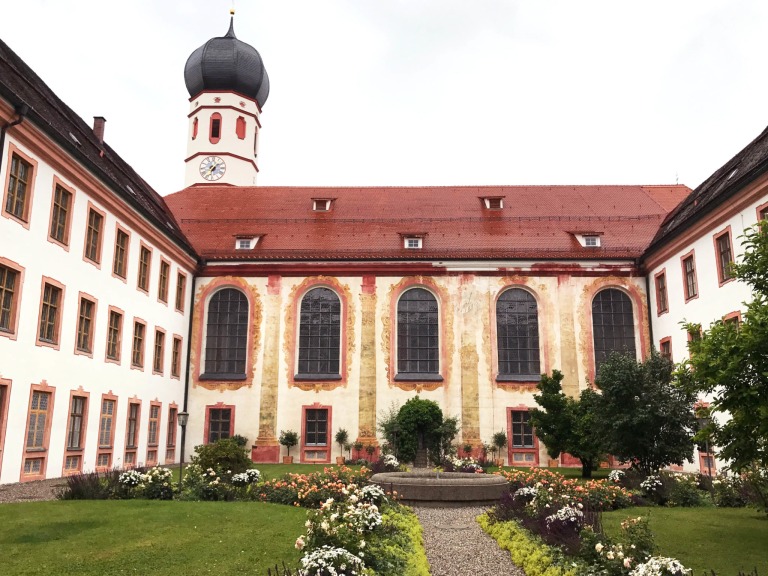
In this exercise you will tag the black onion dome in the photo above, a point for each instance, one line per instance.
(226, 63)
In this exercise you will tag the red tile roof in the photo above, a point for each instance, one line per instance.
(537, 222)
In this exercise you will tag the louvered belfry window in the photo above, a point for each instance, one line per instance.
(517, 333)
(613, 324)
(418, 349)
(319, 334)
(226, 334)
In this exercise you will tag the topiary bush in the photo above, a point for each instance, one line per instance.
(418, 419)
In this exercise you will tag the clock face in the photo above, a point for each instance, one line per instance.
(212, 168)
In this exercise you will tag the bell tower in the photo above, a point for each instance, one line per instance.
(228, 86)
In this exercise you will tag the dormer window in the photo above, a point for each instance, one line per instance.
(321, 204)
(493, 202)
(591, 241)
(412, 242)
(246, 242)
(588, 239)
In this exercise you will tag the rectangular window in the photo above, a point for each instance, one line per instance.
(85, 325)
(33, 466)
(522, 431)
(170, 440)
(75, 427)
(763, 213)
(662, 305)
(114, 335)
(62, 205)
(93, 236)
(121, 254)
(181, 284)
(49, 314)
(689, 277)
(137, 351)
(145, 261)
(38, 418)
(162, 286)
(724, 256)
(106, 423)
(219, 420)
(132, 431)
(72, 463)
(316, 427)
(665, 348)
(103, 460)
(176, 357)
(413, 243)
(9, 281)
(17, 200)
(154, 424)
(157, 360)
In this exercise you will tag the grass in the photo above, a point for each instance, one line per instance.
(725, 540)
(147, 537)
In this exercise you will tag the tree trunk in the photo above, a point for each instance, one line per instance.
(586, 469)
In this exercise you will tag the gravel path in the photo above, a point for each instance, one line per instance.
(29, 491)
(457, 546)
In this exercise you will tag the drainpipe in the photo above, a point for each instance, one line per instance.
(648, 305)
(21, 111)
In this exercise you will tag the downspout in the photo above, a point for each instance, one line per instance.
(21, 111)
(648, 305)
(189, 361)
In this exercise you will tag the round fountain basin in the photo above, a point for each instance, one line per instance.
(429, 488)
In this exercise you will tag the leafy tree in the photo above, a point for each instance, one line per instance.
(645, 416)
(567, 424)
(730, 361)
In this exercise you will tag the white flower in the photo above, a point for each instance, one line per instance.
(598, 547)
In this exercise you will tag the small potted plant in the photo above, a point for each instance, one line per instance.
(357, 446)
(370, 449)
(348, 448)
(288, 438)
(342, 437)
(499, 441)
(467, 450)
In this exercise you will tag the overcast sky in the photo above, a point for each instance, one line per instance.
(424, 92)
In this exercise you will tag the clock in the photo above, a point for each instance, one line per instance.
(212, 168)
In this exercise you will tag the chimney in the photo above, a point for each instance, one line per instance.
(98, 127)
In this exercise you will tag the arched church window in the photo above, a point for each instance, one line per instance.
(418, 351)
(215, 130)
(319, 334)
(517, 334)
(613, 324)
(226, 337)
(240, 127)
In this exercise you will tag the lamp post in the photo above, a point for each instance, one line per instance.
(183, 417)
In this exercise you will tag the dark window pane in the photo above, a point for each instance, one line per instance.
(517, 333)
(613, 325)
(226, 333)
(417, 332)
(319, 332)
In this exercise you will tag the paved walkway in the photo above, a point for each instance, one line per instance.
(457, 546)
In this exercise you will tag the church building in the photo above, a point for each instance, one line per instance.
(265, 309)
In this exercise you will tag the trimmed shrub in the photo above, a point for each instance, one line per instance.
(225, 456)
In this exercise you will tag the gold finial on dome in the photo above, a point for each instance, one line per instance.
(232, 11)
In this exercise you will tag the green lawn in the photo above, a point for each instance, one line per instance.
(147, 537)
(725, 540)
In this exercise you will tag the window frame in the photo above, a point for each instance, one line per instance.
(666, 341)
(117, 358)
(306, 374)
(70, 450)
(158, 351)
(724, 274)
(176, 355)
(153, 426)
(5, 395)
(413, 242)
(38, 452)
(55, 342)
(407, 375)
(215, 117)
(140, 350)
(181, 291)
(29, 189)
(662, 292)
(533, 376)
(90, 329)
(209, 336)
(694, 285)
(170, 433)
(12, 311)
(163, 280)
(144, 272)
(634, 336)
(121, 253)
(209, 419)
(55, 216)
(91, 231)
(523, 450)
(305, 448)
(106, 449)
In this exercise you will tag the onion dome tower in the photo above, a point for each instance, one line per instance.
(228, 86)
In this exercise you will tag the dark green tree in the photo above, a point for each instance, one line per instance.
(645, 416)
(419, 422)
(730, 361)
(566, 424)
